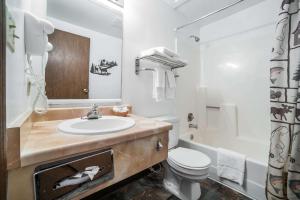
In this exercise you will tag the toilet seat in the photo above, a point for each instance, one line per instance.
(191, 177)
(188, 162)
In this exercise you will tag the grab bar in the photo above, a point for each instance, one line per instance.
(213, 107)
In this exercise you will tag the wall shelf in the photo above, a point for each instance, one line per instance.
(173, 64)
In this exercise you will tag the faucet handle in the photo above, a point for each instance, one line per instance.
(94, 106)
(190, 117)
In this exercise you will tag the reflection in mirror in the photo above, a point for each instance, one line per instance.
(86, 59)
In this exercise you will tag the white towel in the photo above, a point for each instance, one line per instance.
(160, 51)
(151, 52)
(159, 84)
(231, 165)
(170, 85)
(163, 53)
(166, 51)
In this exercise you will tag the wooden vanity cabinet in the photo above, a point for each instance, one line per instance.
(129, 158)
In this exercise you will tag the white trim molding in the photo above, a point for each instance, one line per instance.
(56, 103)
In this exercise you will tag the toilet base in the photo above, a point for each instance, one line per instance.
(186, 191)
(181, 187)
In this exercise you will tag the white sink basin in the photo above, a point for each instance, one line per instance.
(104, 125)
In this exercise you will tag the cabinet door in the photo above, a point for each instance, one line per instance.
(65, 179)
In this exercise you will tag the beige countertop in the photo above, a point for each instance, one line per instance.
(45, 143)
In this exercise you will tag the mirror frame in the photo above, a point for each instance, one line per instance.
(3, 136)
(56, 103)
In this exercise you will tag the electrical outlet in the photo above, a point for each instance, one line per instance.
(10, 31)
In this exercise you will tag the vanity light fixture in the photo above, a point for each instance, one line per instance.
(112, 4)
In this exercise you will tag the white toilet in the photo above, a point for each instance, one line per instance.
(184, 167)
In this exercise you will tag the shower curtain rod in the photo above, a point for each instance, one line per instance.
(206, 16)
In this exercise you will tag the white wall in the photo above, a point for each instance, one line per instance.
(186, 100)
(147, 24)
(17, 95)
(235, 54)
(101, 47)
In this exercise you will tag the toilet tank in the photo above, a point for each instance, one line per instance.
(174, 133)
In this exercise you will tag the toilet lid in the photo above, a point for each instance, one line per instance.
(188, 158)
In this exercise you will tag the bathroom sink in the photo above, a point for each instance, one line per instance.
(103, 125)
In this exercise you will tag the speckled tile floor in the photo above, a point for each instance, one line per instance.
(149, 187)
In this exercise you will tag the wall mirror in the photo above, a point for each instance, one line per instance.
(86, 59)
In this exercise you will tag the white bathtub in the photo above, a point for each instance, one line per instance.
(256, 163)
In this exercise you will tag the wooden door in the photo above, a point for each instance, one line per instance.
(67, 71)
(3, 164)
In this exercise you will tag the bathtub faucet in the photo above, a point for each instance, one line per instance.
(190, 118)
(195, 126)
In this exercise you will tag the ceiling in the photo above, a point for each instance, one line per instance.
(194, 9)
(87, 14)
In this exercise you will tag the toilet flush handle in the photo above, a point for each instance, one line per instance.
(159, 145)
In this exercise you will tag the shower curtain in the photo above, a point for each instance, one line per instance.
(283, 178)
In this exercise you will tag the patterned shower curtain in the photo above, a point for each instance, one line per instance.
(283, 178)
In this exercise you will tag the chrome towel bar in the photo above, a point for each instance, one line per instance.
(157, 59)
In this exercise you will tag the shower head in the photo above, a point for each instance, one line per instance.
(196, 38)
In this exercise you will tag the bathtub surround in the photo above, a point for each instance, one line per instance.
(236, 54)
(232, 53)
(283, 178)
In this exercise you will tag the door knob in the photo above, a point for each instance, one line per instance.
(85, 90)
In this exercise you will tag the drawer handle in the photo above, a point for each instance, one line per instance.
(159, 145)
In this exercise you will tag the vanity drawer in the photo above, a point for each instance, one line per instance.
(65, 179)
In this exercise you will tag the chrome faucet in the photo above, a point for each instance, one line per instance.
(190, 119)
(93, 113)
(195, 126)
